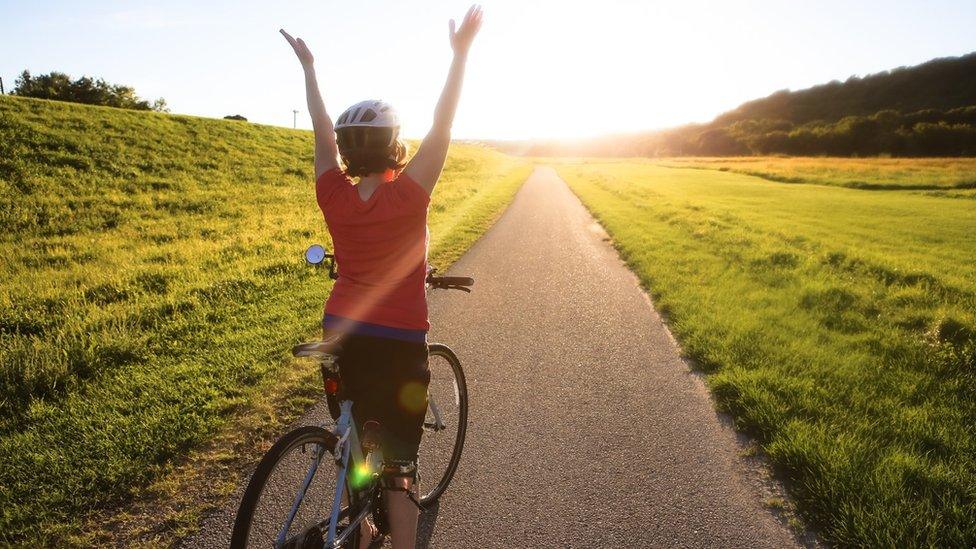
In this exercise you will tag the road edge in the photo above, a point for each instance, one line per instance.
(768, 485)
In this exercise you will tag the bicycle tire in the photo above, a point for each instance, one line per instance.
(440, 350)
(266, 467)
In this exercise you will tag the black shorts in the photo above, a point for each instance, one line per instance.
(387, 379)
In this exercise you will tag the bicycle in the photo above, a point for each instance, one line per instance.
(354, 491)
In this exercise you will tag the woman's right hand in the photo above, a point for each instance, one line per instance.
(301, 50)
(462, 38)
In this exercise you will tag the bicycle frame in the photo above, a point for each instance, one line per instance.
(349, 449)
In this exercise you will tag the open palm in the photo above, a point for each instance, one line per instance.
(301, 49)
(462, 38)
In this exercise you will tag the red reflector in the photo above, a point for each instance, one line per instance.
(331, 386)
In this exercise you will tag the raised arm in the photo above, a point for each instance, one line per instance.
(425, 166)
(326, 150)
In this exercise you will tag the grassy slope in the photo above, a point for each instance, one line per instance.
(837, 325)
(152, 281)
(941, 174)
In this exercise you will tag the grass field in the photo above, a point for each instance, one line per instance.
(934, 174)
(152, 284)
(837, 326)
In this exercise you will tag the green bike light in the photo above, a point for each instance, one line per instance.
(361, 474)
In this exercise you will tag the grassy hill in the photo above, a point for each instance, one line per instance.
(925, 110)
(152, 284)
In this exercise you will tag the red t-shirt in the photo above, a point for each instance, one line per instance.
(381, 248)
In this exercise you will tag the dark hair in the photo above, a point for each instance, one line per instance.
(366, 150)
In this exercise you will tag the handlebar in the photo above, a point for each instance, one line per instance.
(317, 255)
(450, 282)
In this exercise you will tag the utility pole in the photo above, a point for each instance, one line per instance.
(294, 118)
(1, 86)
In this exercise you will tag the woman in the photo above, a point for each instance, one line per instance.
(378, 225)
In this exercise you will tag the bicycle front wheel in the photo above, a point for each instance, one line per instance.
(444, 425)
(299, 470)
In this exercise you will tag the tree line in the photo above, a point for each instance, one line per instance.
(928, 132)
(58, 86)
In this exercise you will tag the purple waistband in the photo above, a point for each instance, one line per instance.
(349, 326)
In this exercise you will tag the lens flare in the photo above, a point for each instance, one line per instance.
(360, 475)
(413, 397)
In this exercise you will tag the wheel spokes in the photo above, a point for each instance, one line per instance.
(300, 496)
(442, 423)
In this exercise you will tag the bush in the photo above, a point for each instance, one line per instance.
(60, 87)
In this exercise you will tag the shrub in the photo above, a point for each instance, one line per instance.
(58, 86)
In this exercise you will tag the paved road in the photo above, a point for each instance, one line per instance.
(586, 428)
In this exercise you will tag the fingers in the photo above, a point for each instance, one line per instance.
(472, 19)
(474, 14)
(287, 37)
(291, 40)
(476, 20)
(451, 26)
(297, 44)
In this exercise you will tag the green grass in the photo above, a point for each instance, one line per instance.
(152, 283)
(941, 174)
(836, 325)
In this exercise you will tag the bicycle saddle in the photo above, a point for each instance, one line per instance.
(317, 349)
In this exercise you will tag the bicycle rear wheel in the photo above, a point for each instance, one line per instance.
(445, 424)
(299, 457)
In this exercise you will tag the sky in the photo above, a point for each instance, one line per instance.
(539, 68)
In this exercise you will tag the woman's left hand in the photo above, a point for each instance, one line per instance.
(462, 38)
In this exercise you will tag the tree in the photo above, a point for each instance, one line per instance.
(58, 86)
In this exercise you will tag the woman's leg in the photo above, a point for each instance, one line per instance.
(403, 514)
(405, 427)
(390, 378)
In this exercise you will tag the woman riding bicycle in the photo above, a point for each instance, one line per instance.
(378, 307)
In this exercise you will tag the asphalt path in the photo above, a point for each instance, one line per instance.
(586, 427)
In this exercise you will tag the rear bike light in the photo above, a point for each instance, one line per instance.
(331, 385)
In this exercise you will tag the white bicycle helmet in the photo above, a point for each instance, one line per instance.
(367, 134)
(372, 113)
